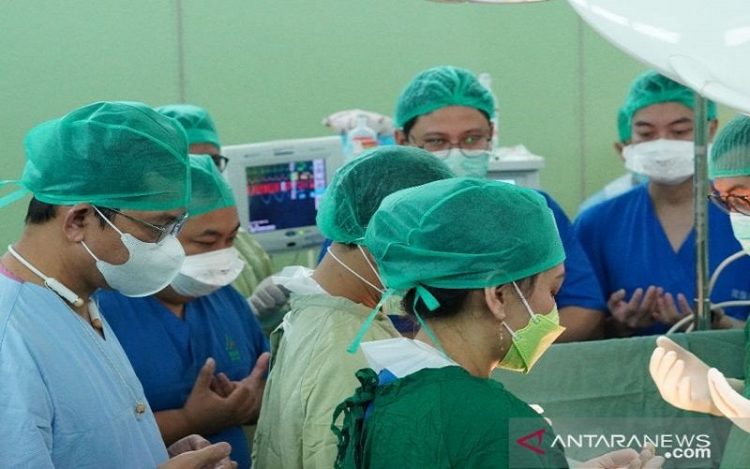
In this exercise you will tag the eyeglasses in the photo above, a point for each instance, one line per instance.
(731, 202)
(467, 144)
(172, 228)
(220, 161)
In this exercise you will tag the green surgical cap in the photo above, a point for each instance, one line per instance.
(730, 153)
(210, 190)
(197, 122)
(463, 233)
(119, 155)
(651, 88)
(359, 186)
(440, 87)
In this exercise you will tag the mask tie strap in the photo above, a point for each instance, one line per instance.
(368, 322)
(13, 196)
(432, 304)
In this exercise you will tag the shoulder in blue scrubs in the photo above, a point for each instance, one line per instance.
(580, 287)
(628, 249)
(167, 352)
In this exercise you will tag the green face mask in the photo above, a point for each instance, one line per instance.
(530, 343)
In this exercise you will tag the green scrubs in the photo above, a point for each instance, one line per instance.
(441, 418)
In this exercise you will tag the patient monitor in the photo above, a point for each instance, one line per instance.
(278, 186)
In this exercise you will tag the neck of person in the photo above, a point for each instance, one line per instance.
(678, 195)
(57, 258)
(336, 280)
(174, 302)
(472, 344)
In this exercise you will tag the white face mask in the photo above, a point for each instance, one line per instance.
(149, 268)
(663, 161)
(474, 164)
(202, 274)
(741, 229)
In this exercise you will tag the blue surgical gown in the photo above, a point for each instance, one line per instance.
(580, 287)
(629, 249)
(168, 352)
(67, 395)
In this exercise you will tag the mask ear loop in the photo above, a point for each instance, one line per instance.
(525, 303)
(372, 267)
(328, 249)
(432, 304)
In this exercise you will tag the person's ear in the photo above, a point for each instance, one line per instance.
(401, 137)
(76, 220)
(712, 126)
(618, 146)
(496, 301)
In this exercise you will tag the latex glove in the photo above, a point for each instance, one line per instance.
(680, 377)
(268, 297)
(732, 404)
(195, 452)
(624, 458)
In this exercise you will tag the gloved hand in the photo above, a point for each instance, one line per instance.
(624, 458)
(680, 377)
(732, 404)
(267, 297)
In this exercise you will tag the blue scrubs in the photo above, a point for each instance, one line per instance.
(629, 249)
(168, 352)
(580, 287)
(67, 396)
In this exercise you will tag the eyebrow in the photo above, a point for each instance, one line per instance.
(681, 120)
(438, 133)
(212, 232)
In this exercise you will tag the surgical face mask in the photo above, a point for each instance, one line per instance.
(741, 229)
(202, 274)
(663, 161)
(530, 343)
(149, 268)
(471, 163)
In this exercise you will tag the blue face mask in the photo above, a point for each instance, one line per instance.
(471, 163)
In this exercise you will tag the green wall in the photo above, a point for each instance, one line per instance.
(271, 69)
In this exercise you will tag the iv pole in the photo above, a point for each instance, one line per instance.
(702, 319)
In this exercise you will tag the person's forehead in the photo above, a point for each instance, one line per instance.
(740, 184)
(223, 220)
(203, 148)
(662, 114)
(451, 120)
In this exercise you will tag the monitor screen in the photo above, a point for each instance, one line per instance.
(284, 195)
(278, 185)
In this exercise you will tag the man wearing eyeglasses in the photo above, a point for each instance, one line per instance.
(446, 111)
(195, 346)
(642, 243)
(203, 139)
(109, 182)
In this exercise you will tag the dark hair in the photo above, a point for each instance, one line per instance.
(40, 212)
(410, 123)
(452, 300)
